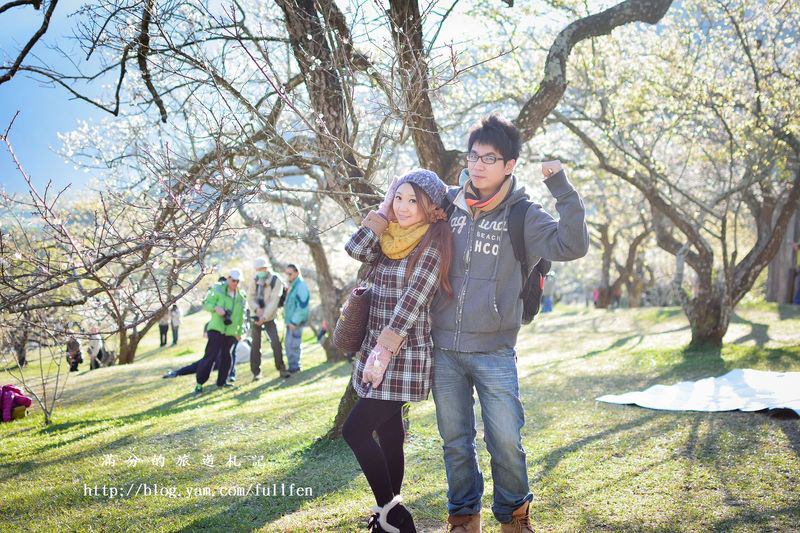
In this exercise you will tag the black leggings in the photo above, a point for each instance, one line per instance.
(218, 348)
(382, 465)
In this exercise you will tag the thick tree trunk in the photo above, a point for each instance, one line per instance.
(639, 282)
(329, 298)
(21, 347)
(615, 292)
(709, 315)
(782, 271)
(129, 343)
(635, 292)
(407, 33)
(631, 274)
(127, 346)
(607, 249)
(347, 402)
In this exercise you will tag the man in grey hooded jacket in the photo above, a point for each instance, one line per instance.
(475, 331)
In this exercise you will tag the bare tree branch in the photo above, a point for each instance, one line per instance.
(554, 82)
(12, 70)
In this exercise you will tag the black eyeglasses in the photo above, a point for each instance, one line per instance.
(490, 159)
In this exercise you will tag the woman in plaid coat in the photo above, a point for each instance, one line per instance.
(409, 244)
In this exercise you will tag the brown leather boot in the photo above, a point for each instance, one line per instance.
(520, 521)
(470, 523)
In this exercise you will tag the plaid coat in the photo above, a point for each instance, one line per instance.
(404, 308)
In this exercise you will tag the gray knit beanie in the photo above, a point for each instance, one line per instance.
(428, 181)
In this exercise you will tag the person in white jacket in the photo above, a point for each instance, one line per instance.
(175, 322)
(264, 296)
(95, 348)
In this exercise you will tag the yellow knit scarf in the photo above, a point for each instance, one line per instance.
(397, 242)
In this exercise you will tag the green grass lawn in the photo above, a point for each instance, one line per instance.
(592, 466)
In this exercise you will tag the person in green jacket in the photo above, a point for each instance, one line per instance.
(295, 315)
(227, 304)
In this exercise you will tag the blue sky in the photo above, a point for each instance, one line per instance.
(44, 110)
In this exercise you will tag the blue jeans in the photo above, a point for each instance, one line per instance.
(796, 299)
(294, 340)
(232, 373)
(494, 376)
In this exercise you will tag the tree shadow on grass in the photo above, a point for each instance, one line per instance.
(19, 469)
(552, 459)
(622, 342)
(99, 474)
(791, 429)
(135, 381)
(429, 508)
(177, 405)
(759, 333)
(617, 344)
(124, 385)
(747, 514)
(788, 311)
(760, 519)
(540, 328)
(79, 429)
(780, 359)
(747, 520)
(695, 363)
(320, 465)
(304, 377)
(707, 445)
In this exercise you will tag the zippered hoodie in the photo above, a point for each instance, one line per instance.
(485, 312)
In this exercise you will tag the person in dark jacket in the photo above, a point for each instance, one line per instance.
(475, 332)
(74, 356)
(163, 327)
(406, 241)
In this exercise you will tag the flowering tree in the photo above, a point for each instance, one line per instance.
(133, 250)
(705, 126)
(266, 96)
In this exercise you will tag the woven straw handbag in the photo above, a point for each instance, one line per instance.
(351, 328)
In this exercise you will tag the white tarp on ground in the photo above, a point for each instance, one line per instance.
(744, 389)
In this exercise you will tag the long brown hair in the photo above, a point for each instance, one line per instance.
(438, 235)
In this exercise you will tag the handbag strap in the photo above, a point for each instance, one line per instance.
(372, 271)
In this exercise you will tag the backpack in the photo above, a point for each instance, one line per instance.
(533, 278)
(282, 299)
